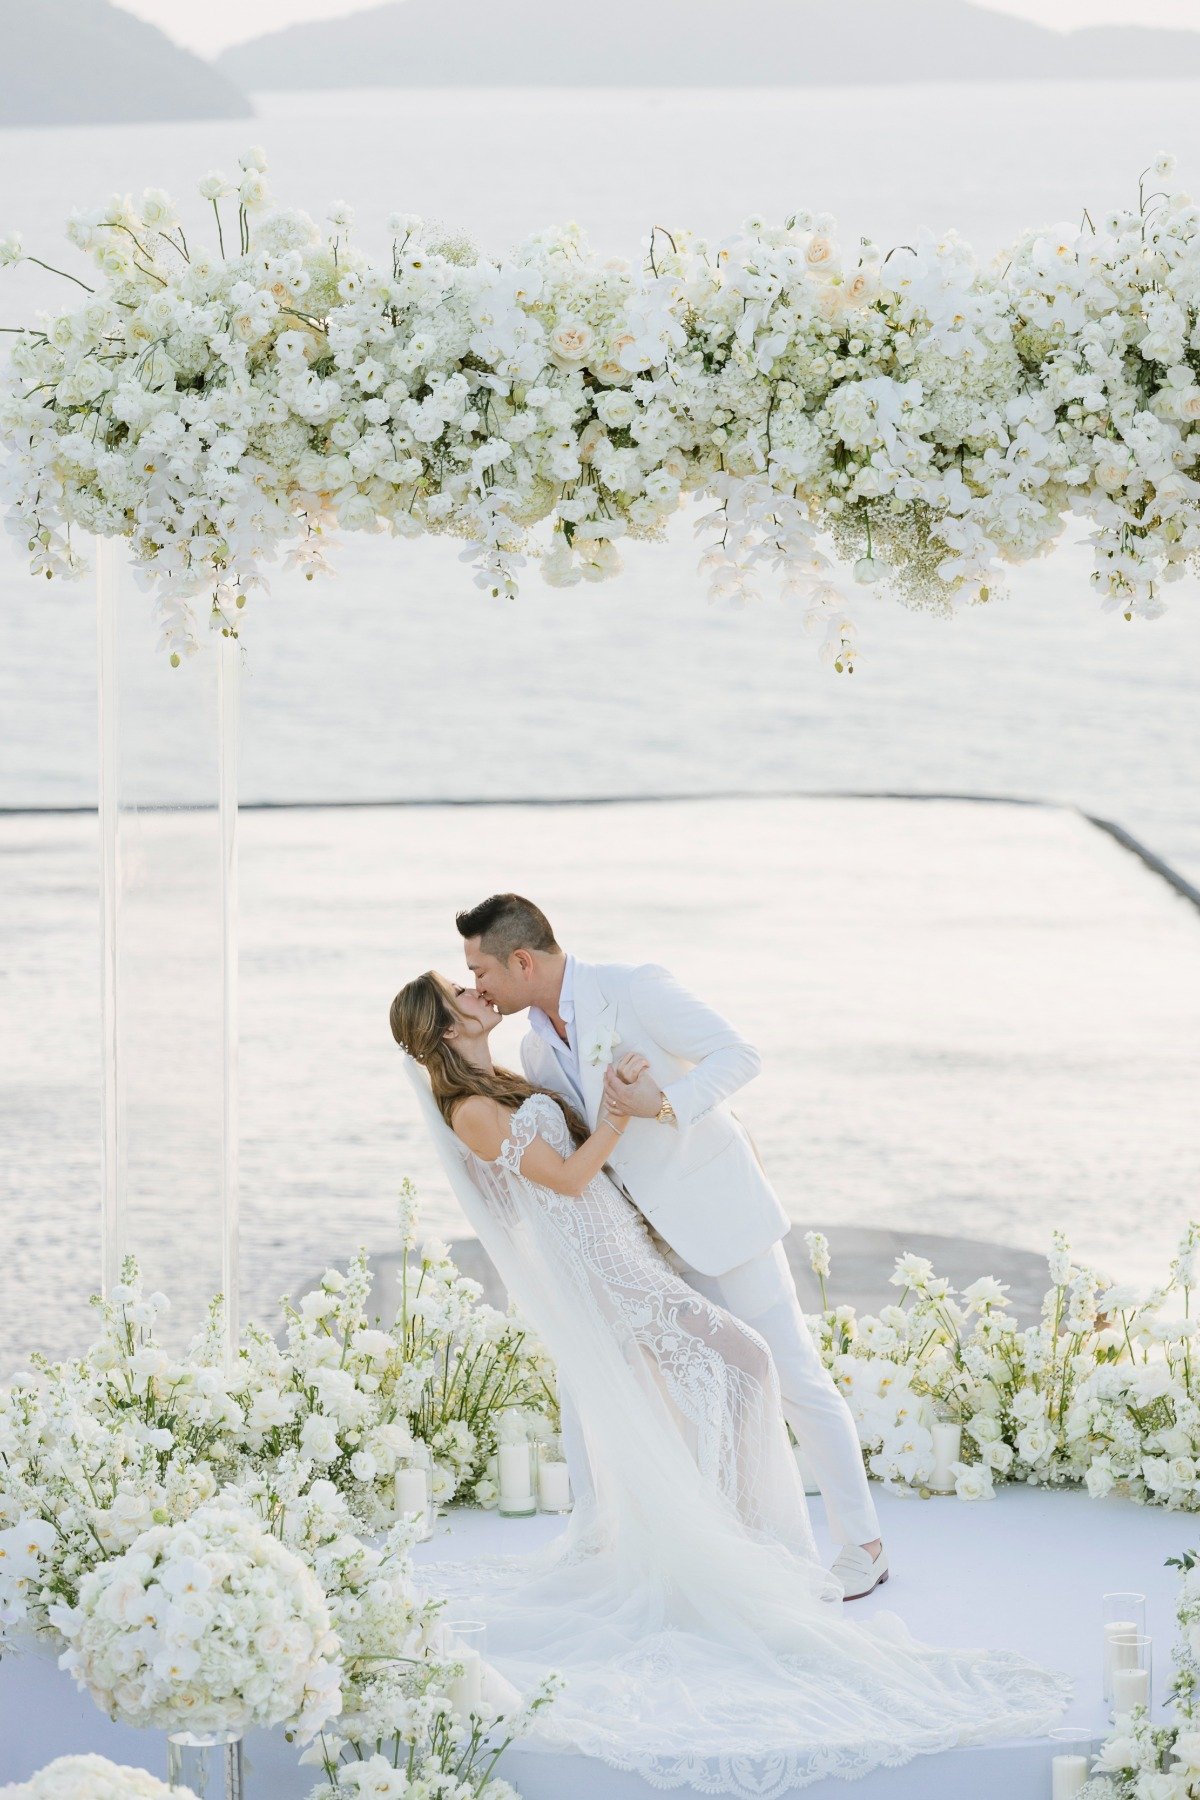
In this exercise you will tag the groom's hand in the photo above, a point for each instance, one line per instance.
(630, 1090)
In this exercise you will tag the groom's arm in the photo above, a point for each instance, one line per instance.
(687, 1027)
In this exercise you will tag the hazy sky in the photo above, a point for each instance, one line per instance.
(210, 26)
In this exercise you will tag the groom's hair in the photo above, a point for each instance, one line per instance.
(505, 923)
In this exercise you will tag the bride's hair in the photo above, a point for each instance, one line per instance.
(420, 1016)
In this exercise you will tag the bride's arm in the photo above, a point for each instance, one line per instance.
(483, 1125)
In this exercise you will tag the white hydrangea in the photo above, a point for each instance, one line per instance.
(91, 1778)
(210, 1623)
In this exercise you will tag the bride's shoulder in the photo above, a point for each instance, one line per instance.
(482, 1124)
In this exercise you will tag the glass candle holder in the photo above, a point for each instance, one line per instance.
(1122, 1615)
(553, 1483)
(412, 1496)
(1132, 1675)
(1070, 1761)
(206, 1763)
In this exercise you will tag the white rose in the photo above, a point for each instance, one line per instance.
(253, 192)
(269, 1409)
(860, 288)
(317, 1304)
(318, 1438)
(617, 408)
(831, 303)
(377, 1346)
(972, 1482)
(820, 253)
(572, 340)
(984, 1430)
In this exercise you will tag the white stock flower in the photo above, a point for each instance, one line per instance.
(817, 1245)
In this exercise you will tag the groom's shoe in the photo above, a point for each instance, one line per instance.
(859, 1572)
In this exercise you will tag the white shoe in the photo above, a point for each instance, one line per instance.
(858, 1571)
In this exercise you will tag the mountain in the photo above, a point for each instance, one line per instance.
(85, 62)
(693, 43)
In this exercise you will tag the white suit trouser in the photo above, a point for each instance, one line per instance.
(763, 1295)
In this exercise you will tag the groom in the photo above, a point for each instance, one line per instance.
(686, 1162)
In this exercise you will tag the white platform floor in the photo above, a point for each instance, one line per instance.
(1024, 1572)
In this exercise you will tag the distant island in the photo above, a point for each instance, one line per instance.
(86, 62)
(695, 43)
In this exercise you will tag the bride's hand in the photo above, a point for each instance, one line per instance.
(614, 1120)
(630, 1089)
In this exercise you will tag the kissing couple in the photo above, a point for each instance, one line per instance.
(625, 1208)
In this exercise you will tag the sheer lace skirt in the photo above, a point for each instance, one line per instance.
(703, 1641)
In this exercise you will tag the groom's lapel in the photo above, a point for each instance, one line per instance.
(593, 1014)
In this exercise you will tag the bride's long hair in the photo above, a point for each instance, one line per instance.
(420, 1016)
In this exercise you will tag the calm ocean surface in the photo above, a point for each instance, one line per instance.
(397, 680)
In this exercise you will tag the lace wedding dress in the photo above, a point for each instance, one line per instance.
(702, 1641)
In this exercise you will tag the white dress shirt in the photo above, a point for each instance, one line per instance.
(568, 1053)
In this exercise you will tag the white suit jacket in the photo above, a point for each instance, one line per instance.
(699, 1183)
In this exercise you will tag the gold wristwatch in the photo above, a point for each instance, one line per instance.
(666, 1113)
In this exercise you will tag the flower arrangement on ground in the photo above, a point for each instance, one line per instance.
(207, 1625)
(1143, 1761)
(1102, 1390)
(136, 1487)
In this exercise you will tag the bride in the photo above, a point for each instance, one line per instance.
(702, 1639)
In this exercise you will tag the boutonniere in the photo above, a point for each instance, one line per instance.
(600, 1046)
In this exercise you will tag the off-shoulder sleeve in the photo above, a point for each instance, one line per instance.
(521, 1134)
(538, 1111)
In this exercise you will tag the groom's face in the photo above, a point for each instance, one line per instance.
(504, 985)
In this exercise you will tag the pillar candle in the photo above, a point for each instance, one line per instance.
(1118, 1655)
(513, 1463)
(412, 1491)
(1130, 1688)
(947, 1449)
(1068, 1776)
(466, 1690)
(554, 1486)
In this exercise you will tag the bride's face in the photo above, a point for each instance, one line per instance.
(476, 1016)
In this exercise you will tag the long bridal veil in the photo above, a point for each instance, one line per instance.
(702, 1640)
